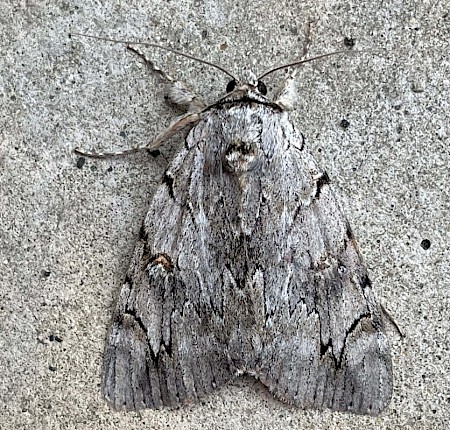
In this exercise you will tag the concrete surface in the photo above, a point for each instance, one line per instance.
(67, 232)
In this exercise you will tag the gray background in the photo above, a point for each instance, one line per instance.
(67, 233)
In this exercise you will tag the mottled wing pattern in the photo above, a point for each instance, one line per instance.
(324, 344)
(166, 344)
(245, 263)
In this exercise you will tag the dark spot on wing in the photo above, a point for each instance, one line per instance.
(303, 142)
(365, 282)
(321, 182)
(325, 346)
(143, 234)
(349, 232)
(128, 280)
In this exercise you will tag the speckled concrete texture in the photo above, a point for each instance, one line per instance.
(67, 229)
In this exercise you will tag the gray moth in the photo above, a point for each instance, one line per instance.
(245, 264)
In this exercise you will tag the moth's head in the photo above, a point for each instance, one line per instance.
(247, 86)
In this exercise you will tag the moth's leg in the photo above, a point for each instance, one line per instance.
(288, 95)
(179, 93)
(177, 125)
(153, 67)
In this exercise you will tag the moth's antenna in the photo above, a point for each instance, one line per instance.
(307, 60)
(154, 45)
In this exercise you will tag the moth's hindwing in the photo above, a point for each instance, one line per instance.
(246, 263)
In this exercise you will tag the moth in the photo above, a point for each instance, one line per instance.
(245, 264)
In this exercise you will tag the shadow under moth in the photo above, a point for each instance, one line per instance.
(245, 264)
